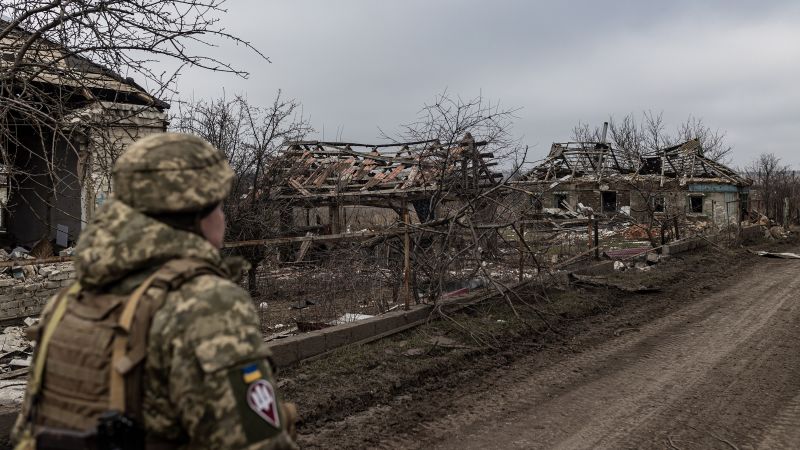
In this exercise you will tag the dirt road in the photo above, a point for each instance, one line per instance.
(721, 372)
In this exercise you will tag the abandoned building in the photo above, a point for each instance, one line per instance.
(675, 181)
(60, 139)
(336, 187)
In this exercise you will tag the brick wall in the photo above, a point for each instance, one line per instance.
(26, 297)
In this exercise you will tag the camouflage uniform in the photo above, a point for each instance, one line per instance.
(205, 346)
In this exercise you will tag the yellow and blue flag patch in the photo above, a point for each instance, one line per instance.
(251, 373)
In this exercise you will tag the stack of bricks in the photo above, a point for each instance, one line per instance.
(24, 298)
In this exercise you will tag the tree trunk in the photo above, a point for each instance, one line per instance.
(252, 283)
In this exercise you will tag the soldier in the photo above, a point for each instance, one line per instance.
(154, 346)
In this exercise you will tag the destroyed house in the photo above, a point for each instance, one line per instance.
(334, 187)
(69, 120)
(674, 181)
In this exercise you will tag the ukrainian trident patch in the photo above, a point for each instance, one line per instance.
(261, 399)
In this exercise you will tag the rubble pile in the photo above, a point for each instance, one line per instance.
(15, 348)
(771, 230)
(25, 288)
(16, 353)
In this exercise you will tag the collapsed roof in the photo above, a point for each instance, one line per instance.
(315, 170)
(597, 160)
(687, 161)
(48, 63)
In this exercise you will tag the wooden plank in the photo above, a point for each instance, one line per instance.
(14, 374)
(374, 181)
(394, 173)
(321, 178)
(322, 238)
(303, 248)
(411, 177)
(295, 184)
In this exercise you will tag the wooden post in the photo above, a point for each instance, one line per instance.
(727, 218)
(521, 251)
(677, 228)
(406, 259)
(713, 212)
(333, 218)
(785, 213)
(596, 241)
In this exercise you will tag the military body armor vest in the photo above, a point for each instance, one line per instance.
(91, 349)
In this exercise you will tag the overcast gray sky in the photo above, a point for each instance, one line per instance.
(357, 65)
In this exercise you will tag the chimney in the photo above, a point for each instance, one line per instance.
(605, 132)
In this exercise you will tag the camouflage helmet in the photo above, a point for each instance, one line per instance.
(171, 173)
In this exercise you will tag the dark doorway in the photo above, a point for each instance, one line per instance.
(744, 205)
(696, 203)
(659, 204)
(609, 201)
(559, 200)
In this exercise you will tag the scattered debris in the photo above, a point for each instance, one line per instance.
(445, 342)
(621, 331)
(12, 392)
(305, 327)
(652, 257)
(14, 374)
(775, 254)
(593, 281)
(20, 253)
(42, 249)
(282, 334)
(16, 354)
(626, 253)
(302, 304)
(349, 318)
(778, 232)
(13, 339)
(15, 363)
(414, 352)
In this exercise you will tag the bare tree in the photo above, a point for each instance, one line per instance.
(463, 215)
(773, 181)
(124, 36)
(648, 134)
(250, 136)
(67, 68)
(712, 140)
(449, 117)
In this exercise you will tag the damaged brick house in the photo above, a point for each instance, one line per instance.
(346, 186)
(675, 181)
(63, 121)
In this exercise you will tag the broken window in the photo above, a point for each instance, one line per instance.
(609, 201)
(559, 199)
(659, 203)
(696, 204)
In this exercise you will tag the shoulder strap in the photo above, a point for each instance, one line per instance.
(119, 356)
(179, 271)
(47, 334)
(127, 355)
